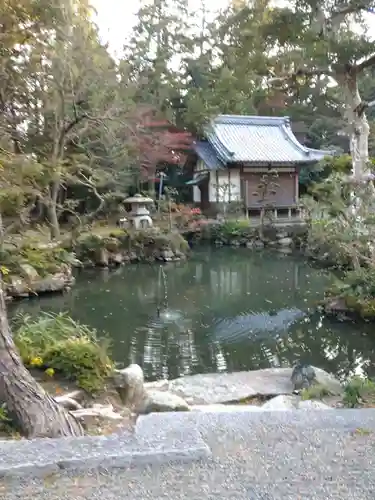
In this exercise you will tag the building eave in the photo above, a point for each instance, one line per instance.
(258, 140)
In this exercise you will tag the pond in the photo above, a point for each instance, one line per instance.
(223, 310)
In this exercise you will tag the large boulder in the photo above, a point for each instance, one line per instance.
(34, 284)
(220, 408)
(29, 272)
(287, 403)
(213, 388)
(313, 405)
(281, 403)
(129, 383)
(328, 381)
(285, 242)
(57, 282)
(17, 287)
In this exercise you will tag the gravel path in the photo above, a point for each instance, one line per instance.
(295, 455)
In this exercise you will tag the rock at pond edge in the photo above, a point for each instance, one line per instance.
(159, 401)
(233, 387)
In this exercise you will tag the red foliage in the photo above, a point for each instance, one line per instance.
(157, 141)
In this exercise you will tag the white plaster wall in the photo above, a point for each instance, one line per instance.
(223, 180)
(196, 194)
(196, 191)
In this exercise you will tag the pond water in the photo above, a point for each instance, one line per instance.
(223, 310)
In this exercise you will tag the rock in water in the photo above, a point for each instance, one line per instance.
(129, 385)
(303, 376)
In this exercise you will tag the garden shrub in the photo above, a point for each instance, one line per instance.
(144, 243)
(358, 391)
(44, 260)
(357, 289)
(229, 231)
(88, 246)
(117, 233)
(57, 342)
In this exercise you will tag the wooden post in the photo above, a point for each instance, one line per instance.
(296, 188)
(229, 187)
(170, 214)
(247, 198)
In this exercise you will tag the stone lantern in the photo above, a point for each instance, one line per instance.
(139, 215)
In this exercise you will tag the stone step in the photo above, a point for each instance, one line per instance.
(279, 403)
(164, 438)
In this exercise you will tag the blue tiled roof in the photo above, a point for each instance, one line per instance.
(207, 153)
(258, 139)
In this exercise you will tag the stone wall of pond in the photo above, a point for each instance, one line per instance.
(242, 234)
(122, 247)
(33, 269)
(36, 269)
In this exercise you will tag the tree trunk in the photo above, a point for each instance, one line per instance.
(52, 209)
(1, 232)
(32, 410)
(359, 129)
(53, 220)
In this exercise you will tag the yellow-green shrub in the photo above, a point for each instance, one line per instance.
(56, 341)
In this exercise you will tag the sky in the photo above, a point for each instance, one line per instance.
(116, 18)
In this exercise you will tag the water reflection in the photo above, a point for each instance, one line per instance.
(226, 310)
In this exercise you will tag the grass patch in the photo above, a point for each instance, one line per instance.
(57, 343)
(360, 431)
(316, 391)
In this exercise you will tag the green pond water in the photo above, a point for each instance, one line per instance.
(223, 310)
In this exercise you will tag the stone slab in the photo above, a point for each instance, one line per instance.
(39, 457)
(315, 455)
(214, 388)
(225, 408)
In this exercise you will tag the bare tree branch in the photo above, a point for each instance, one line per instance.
(367, 63)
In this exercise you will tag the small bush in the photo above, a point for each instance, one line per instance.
(117, 233)
(5, 420)
(57, 342)
(357, 289)
(359, 391)
(88, 246)
(229, 231)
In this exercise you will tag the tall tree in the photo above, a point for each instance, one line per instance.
(320, 47)
(34, 412)
(153, 54)
(61, 99)
(237, 50)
